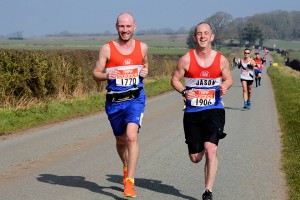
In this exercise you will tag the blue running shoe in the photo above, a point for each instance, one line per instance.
(248, 104)
(245, 104)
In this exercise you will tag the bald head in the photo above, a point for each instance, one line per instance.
(205, 24)
(125, 16)
(125, 26)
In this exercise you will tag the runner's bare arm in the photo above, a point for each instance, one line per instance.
(99, 73)
(144, 70)
(179, 72)
(226, 76)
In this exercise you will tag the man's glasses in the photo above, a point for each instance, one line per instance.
(246, 53)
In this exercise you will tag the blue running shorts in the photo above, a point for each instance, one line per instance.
(121, 113)
(256, 72)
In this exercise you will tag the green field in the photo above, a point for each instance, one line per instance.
(158, 44)
(284, 45)
(294, 55)
(165, 42)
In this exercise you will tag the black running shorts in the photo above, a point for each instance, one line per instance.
(249, 82)
(203, 126)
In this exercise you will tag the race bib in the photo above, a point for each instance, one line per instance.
(245, 72)
(127, 77)
(203, 98)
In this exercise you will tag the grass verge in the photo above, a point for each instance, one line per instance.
(286, 86)
(14, 120)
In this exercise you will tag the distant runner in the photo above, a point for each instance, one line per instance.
(247, 65)
(257, 72)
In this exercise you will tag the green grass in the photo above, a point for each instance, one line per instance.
(167, 51)
(294, 55)
(82, 42)
(155, 47)
(157, 86)
(283, 44)
(286, 85)
(164, 44)
(14, 120)
(158, 44)
(19, 119)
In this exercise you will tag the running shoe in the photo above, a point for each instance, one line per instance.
(248, 104)
(207, 195)
(125, 173)
(245, 104)
(129, 188)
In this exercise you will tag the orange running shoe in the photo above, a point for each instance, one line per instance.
(129, 188)
(125, 172)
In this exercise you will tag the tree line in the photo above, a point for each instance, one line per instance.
(253, 30)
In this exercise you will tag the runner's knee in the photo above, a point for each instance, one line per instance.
(131, 132)
(211, 151)
(131, 137)
(195, 158)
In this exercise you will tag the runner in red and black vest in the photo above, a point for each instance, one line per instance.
(257, 72)
(207, 78)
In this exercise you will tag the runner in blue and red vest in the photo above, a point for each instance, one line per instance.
(207, 78)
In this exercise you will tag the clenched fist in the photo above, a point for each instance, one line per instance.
(144, 71)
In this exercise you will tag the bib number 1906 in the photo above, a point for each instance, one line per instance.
(203, 102)
(203, 98)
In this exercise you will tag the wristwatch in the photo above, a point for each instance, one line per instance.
(183, 92)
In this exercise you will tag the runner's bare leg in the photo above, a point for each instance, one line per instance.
(211, 164)
(122, 149)
(133, 148)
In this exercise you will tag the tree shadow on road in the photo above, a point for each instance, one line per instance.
(80, 182)
(153, 185)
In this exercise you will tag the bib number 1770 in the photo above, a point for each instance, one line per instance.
(127, 81)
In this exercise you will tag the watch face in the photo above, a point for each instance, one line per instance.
(183, 93)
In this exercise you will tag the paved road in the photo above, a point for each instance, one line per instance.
(77, 159)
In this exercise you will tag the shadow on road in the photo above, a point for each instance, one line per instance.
(153, 185)
(80, 182)
(232, 108)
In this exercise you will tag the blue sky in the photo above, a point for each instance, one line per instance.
(36, 18)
